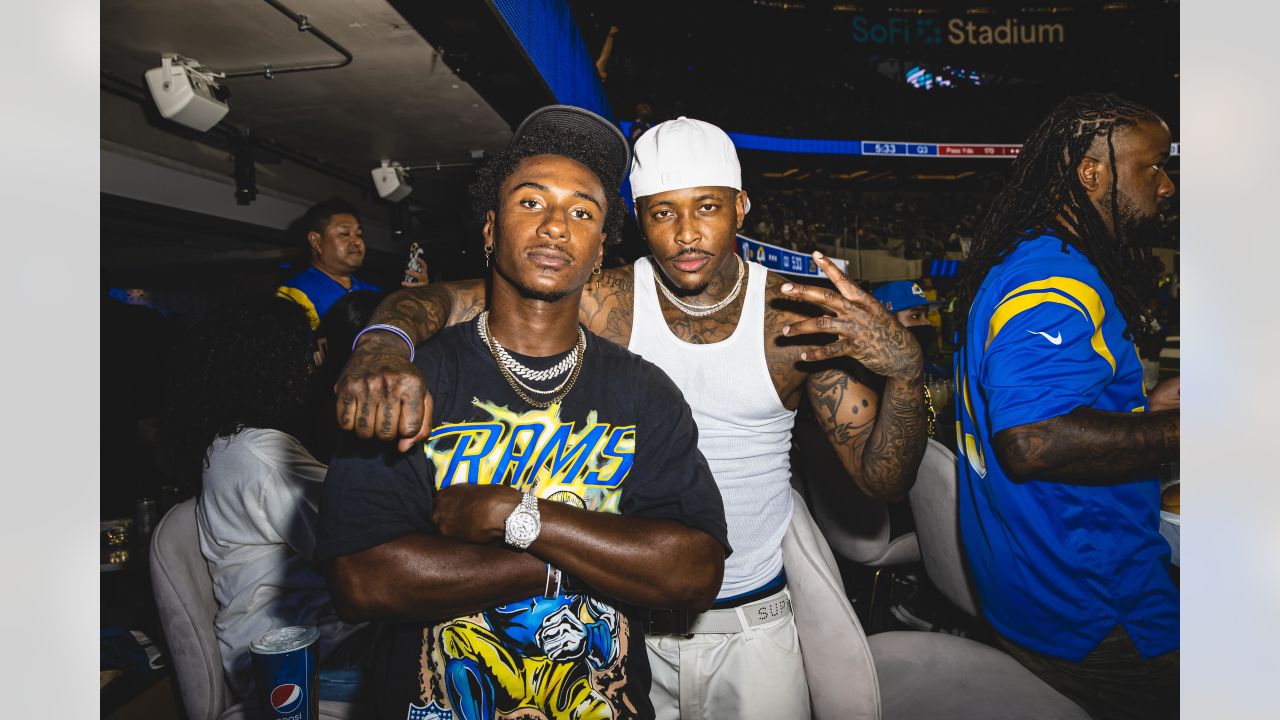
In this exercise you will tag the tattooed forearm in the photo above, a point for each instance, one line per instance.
(879, 441)
(897, 442)
(423, 312)
(1090, 447)
(407, 311)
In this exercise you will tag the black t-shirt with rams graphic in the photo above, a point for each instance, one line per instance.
(622, 441)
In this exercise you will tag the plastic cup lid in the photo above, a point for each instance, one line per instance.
(283, 640)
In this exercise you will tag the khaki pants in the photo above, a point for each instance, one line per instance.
(755, 674)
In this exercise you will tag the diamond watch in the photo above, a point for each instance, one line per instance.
(524, 522)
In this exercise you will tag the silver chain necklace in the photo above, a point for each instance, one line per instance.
(704, 310)
(510, 366)
(521, 370)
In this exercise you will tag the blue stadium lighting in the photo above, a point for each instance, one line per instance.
(943, 268)
(550, 38)
(744, 141)
(813, 146)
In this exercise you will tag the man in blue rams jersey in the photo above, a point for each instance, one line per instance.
(1059, 444)
(337, 252)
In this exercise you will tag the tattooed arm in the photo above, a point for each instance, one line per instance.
(606, 310)
(380, 392)
(881, 454)
(425, 311)
(1090, 447)
(880, 440)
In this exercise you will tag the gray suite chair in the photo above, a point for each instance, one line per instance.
(855, 526)
(935, 509)
(184, 596)
(940, 676)
(906, 675)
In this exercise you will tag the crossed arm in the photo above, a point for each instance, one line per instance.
(424, 578)
(466, 568)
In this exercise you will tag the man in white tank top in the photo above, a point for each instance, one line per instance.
(714, 324)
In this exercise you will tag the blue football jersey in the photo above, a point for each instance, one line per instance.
(317, 292)
(1057, 565)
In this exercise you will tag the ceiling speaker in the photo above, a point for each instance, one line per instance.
(390, 182)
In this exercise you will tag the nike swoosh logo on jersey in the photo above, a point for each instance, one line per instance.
(1056, 339)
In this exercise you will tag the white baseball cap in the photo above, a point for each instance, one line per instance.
(684, 153)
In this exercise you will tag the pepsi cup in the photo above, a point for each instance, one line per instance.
(284, 667)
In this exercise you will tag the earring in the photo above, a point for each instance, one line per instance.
(595, 274)
(488, 250)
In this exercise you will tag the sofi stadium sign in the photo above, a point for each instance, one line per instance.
(956, 31)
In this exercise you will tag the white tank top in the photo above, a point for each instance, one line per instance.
(743, 428)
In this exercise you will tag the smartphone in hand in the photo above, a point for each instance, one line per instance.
(415, 261)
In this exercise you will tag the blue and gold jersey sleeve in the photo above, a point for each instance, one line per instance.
(1044, 351)
(292, 293)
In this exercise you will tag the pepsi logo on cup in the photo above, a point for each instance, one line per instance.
(286, 698)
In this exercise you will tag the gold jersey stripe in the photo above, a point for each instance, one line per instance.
(296, 295)
(1061, 290)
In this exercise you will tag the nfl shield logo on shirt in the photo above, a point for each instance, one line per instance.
(429, 712)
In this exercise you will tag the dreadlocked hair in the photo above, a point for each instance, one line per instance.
(1043, 196)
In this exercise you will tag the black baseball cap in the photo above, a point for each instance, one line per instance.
(601, 134)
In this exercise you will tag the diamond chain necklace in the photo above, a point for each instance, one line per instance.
(518, 368)
(496, 349)
(704, 310)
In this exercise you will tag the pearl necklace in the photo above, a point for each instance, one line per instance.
(498, 352)
(704, 310)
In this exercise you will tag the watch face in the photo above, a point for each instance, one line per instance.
(523, 526)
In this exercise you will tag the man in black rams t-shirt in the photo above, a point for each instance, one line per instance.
(560, 488)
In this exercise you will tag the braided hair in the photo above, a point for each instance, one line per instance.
(1043, 196)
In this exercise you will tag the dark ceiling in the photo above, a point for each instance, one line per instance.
(432, 82)
(310, 135)
(398, 99)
